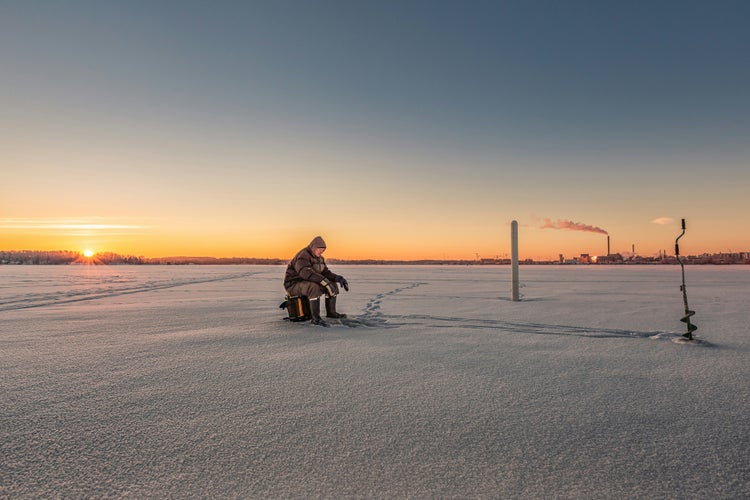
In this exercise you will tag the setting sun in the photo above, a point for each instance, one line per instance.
(88, 253)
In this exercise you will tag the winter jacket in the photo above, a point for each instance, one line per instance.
(305, 266)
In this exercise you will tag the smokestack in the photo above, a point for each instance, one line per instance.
(608, 245)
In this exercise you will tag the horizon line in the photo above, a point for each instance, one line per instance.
(616, 258)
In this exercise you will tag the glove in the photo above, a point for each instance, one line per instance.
(342, 281)
(330, 290)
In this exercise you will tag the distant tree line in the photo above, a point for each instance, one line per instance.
(423, 262)
(38, 257)
(64, 257)
(212, 261)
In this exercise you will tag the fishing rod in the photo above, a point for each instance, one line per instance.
(685, 319)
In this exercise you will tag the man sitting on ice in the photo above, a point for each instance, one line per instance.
(307, 274)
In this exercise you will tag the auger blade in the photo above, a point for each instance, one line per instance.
(686, 318)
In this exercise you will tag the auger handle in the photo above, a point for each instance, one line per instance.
(676, 242)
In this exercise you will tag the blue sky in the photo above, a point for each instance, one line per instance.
(393, 115)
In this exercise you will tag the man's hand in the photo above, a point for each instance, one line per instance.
(330, 290)
(342, 281)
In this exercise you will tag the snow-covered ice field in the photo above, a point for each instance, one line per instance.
(184, 381)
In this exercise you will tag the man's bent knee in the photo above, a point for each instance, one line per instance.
(306, 288)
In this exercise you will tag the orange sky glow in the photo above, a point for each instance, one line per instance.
(123, 131)
(399, 243)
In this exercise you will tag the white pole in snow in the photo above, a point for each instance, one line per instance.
(515, 296)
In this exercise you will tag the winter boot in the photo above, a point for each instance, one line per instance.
(331, 308)
(315, 313)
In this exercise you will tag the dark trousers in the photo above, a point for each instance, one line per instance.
(309, 289)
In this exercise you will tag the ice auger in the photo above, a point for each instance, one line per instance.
(685, 319)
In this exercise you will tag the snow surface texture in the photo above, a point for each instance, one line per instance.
(186, 382)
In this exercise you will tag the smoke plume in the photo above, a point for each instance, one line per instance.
(572, 226)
